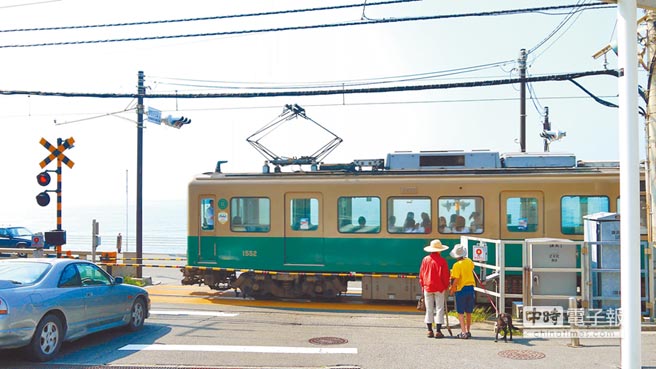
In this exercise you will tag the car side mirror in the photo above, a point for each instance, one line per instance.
(118, 280)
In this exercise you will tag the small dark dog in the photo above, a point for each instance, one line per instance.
(503, 325)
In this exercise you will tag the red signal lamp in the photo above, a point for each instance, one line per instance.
(43, 178)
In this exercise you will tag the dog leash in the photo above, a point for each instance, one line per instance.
(486, 293)
(446, 316)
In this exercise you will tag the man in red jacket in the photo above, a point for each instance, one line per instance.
(434, 279)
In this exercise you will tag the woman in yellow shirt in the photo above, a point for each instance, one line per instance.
(462, 285)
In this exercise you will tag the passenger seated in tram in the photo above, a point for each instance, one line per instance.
(362, 221)
(236, 224)
(410, 226)
(460, 225)
(426, 226)
(441, 225)
(391, 225)
(452, 222)
(476, 226)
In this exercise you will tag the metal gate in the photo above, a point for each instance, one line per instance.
(553, 272)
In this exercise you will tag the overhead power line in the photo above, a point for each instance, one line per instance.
(562, 23)
(28, 4)
(217, 17)
(316, 26)
(209, 84)
(348, 91)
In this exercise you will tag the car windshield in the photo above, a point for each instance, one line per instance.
(24, 272)
(19, 232)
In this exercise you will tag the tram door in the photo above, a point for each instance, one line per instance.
(304, 237)
(522, 215)
(206, 248)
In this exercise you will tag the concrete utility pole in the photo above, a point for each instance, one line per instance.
(522, 99)
(141, 91)
(650, 133)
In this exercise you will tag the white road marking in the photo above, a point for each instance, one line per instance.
(250, 349)
(192, 312)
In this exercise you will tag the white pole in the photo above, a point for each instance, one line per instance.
(630, 347)
(126, 212)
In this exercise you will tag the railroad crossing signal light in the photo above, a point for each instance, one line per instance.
(176, 122)
(43, 199)
(43, 178)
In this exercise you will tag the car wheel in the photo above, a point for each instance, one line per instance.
(137, 315)
(47, 339)
(22, 254)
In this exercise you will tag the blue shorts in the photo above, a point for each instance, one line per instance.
(465, 300)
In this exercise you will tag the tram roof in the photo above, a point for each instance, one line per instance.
(441, 163)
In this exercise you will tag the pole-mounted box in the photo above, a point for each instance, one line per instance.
(55, 237)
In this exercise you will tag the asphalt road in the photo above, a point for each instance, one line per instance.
(212, 334)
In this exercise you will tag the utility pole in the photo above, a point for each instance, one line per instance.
(650, 166)
(546, 126)
(141, 91)
(522, 99)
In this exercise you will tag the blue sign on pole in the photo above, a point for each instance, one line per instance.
(154, 115)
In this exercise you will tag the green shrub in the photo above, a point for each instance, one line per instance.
(478, 315)
(134, 282)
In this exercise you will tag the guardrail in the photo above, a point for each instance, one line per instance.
(35, 253)
(114, 265)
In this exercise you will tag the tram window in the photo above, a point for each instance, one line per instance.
(207, 214)
(358, 214)
(460, 215)
(643, 213)
(574, 208)
(409, 215)
(522, 214)
(304, 214)
(250, 214)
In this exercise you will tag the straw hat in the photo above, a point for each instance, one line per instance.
(459, 251)
(435, 246)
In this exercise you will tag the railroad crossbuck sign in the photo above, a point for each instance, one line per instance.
(57, 152)
(480, 252)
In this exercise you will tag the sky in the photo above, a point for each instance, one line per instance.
(371, 125)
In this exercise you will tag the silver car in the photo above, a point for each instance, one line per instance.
(44, 302)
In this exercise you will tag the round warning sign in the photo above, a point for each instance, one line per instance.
(480, 252)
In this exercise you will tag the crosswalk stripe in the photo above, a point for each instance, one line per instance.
(249, 349)
(192, 313)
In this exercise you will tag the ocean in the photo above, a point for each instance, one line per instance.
(164, 226)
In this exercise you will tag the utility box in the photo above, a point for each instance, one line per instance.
(553, 271)
(55, 237)
(602, 233)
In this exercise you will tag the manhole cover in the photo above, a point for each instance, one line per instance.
(327, 340)
(521, 354)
